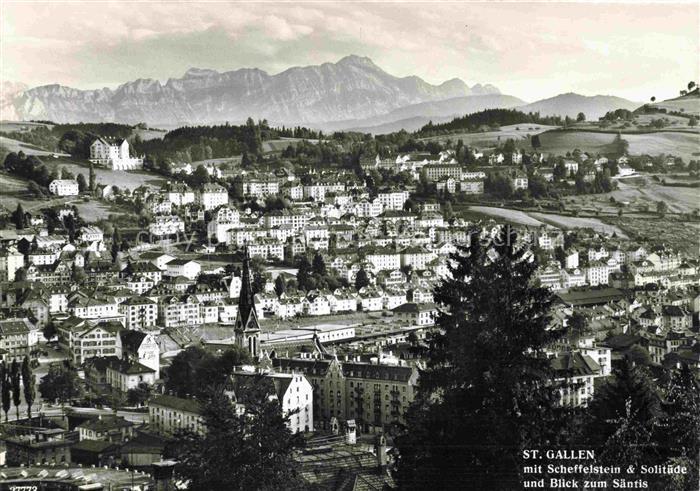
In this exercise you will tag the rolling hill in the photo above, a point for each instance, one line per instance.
(688, 104)
(570, 104)
(414, 116)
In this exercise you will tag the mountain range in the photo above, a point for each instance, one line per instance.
(353, 93)
(352, 88)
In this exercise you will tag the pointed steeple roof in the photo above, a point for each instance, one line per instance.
(247, 319)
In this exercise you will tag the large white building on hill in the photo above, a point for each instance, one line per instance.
(115, 154)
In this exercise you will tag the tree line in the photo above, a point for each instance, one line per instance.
(490, 118)
(15, 380)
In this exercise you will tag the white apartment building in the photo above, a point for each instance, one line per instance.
(393, 200)
(10, 261)
(416, 257)
(183, 267)
(114, 154)
(180, 312)
(597, 273)
(318, 192)
(260, 188)
(64, 187)
(83, 341)
(223, 221)
(384, 259)
(472, 186)
(93, 308)
(179, 194)
(416, 314)
(42, 257)
(139, 312)
(164, 225)
(435, 172)
(91, 234)
(212, 196)
(297, 219)
(167, 414)
(124, 376)
(366, 208)
(296, 193)
(266, 249)
(575, 373)
(519, 181)
(571, 260)
(572, 277)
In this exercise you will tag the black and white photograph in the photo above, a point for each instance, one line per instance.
(349, 245)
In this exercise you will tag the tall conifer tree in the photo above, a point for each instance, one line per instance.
(487, 392)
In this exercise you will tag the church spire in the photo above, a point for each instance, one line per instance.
(245, 300)
(246, 327)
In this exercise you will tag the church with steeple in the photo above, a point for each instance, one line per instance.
(246, 328)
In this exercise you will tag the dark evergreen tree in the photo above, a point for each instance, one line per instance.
(629, 390)
(82, 185)
(487, 392)
(303, 273)
(6, 389)
(28, 383)
(319, 265)
(258, 283)
(19, 217)
(69, 222)
(253, 450)
(91, 181)
(61, 383)
(200, 176)
(362, 279)
(15, 379)
(194, 371)
(678, 431)
(280, 285)
(622, 419)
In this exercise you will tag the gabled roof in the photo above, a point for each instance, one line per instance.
(414, 308)
(130, 368)
(131, 340)
(574, 365)
(95, 446)
(106, 423)
(187, 405)
(138, 300)
(14, 326)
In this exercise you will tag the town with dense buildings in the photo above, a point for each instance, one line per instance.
(326, 286)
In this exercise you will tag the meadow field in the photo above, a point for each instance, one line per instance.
(28, 149)
(278, 145)
(683, 145)
(21, 126)
(520, 133)
(536, 219)
(122, 179)
(637, 193)
(149, 133)
(688, 105)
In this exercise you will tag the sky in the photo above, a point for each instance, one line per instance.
(529, 50)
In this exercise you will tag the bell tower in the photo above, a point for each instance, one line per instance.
(246, 328)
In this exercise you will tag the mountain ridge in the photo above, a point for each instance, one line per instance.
(352, 88)
(416, 115)
(571, 103)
